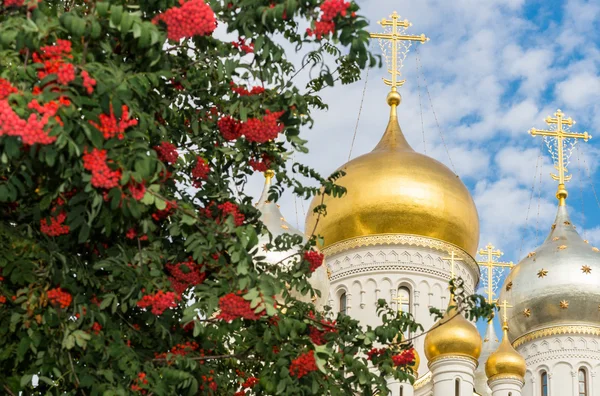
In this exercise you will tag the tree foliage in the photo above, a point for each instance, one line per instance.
(130, 259)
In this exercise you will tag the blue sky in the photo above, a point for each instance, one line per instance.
(495, 69)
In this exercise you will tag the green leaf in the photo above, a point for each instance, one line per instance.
(26, 380)
(116, 13)
(160, 204)
(81, 338)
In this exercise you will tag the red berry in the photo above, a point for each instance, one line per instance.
(193, 18)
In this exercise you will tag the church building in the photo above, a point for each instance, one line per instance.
(408, 225)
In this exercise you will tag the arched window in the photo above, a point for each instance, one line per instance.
(544, 383)
(457, 387)
(401, 390)
(343, 303)
(403, 302)
(583, 386)
(404, 299)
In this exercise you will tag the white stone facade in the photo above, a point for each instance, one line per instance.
(561, 357)
(368, 273)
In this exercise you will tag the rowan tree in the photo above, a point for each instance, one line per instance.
(130, 259)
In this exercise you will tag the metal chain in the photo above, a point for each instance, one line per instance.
(359, 112)
(537, 162)
(437, 122)
(418, 62)
(537, 219)
(581, 193)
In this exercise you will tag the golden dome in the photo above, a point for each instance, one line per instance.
(505, 362)
(453, 335)
(395, 190)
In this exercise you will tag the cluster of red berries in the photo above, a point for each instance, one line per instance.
(373, 353)
(167, 152)
(229, 208)
(318, 336)
(137, 190)
(159, 302)
(132, 234)
(234, 306)
(261, 165)
(242, 46)
(209, 380)
(193, 18)
(111, 127)
(140, 380)
(31, 131)
(245, 92)
(229, 128)
(59, 297)
(102, 175)
(250, 382)
(170, 207)
(200, 171)
(6, 89)
(56, 225)
(13, 3)
(180, 279)
(314, 258)
(179, 350)
(166, 212)
(405, 358)
(330, 9)
(261, 130)
(2, 299)
(303, 365)
(333, 8)
(53, 58)
(96, 328)
(322, 28)
(65, 73)
(88, 82)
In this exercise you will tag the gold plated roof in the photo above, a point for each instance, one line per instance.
(453, 335)
(506, 361)
(395, 190)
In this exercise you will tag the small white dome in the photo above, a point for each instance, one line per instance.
(277, 225)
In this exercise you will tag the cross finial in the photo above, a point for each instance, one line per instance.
(453, 257)
(396, 35)
(399, 300)
(561, 159)
(505, 307)
(491, 262)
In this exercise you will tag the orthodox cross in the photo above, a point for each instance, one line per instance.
(396, 35)
(505, 307)
(561, 158)
(490, 264)
(399, 300)
(453, 257)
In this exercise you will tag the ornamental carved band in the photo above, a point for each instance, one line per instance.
(556, 330)
(401, 239)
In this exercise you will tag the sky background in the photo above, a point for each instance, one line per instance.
(494, 69)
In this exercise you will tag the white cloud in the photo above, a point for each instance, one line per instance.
(579, 90)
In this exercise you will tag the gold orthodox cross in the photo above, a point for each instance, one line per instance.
(396, 36)
(490, 264)
(453, 257)
(560, 135)
(399, 300)
(505, 307)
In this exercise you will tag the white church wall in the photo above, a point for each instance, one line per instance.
(369, 273)
(561, 357)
